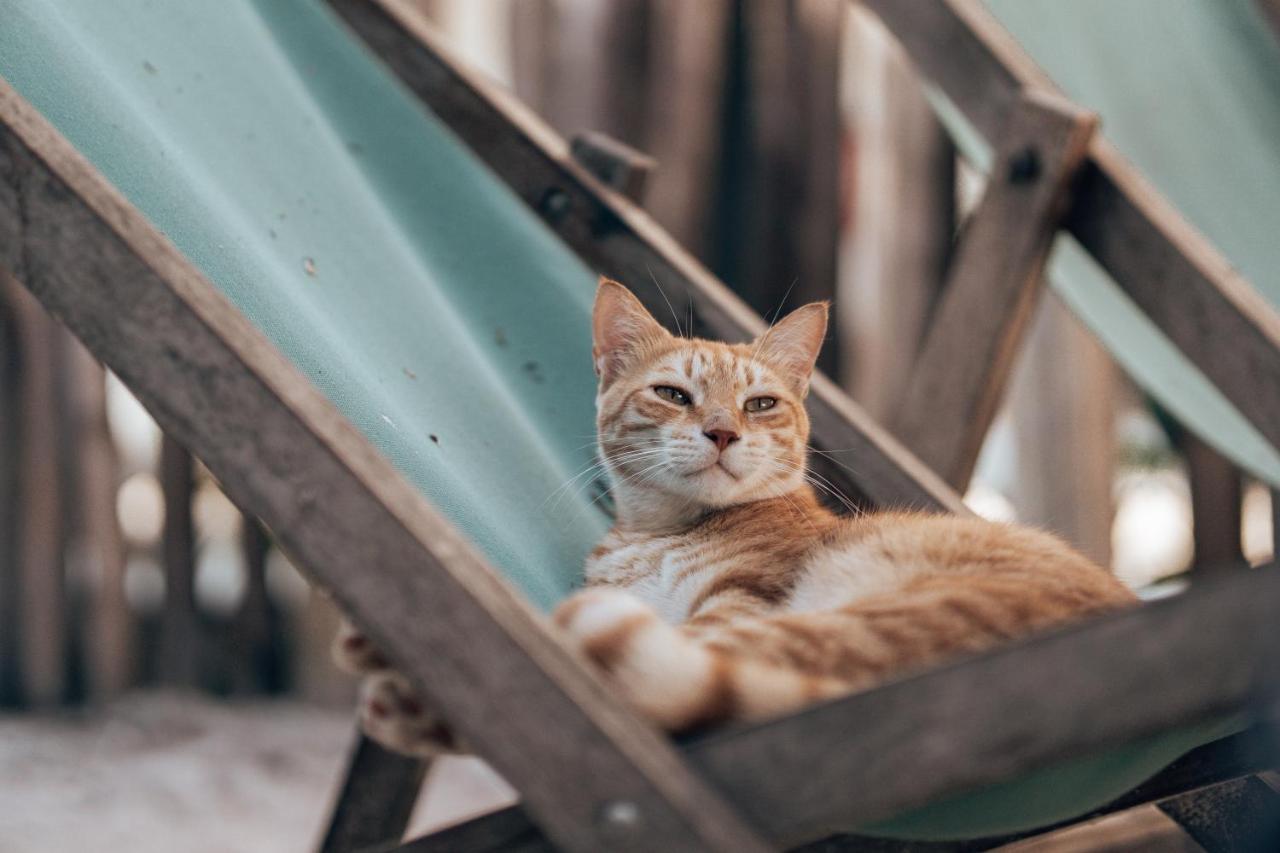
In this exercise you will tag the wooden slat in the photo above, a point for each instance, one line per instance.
(376, 800)
(1220, 761)
(286, 455)
(992, 286)
(620, 240)
(1241, 816)
(180, 632)
(107, 638)
(41, 583)
(614, 164)
(1073, 692)
(10, 510)
(1217, 494)
(1168, 269)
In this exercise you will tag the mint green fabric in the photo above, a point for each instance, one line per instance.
(1189, 91)
(407, 282)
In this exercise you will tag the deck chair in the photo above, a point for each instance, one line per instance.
(298, 256)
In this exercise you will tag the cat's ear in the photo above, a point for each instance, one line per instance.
(791, 345)
(621, 330)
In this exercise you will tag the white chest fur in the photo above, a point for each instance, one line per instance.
(664, 572)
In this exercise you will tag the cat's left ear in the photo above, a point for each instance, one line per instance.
(791, 345)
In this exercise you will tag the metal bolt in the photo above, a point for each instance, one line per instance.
(554, 204)
(621, 815)
(1024, 166)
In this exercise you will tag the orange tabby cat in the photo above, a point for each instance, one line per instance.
(725, 590)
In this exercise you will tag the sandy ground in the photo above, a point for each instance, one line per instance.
(164, 772)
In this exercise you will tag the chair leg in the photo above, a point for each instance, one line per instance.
(376, 800)
(1242, 816)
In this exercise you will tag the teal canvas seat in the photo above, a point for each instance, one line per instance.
(401, 276)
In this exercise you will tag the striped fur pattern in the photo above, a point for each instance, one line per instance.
(726, 590)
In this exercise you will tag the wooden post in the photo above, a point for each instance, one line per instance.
(107, 650)
(616, 164)
(689, 44)
(778, 202)
(180, 622)
(992, 286)
(258, 667)
(10, 483)
(376, 800)
(1217, 495)
(41, 612)
(899, 220)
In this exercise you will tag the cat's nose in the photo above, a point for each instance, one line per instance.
(722, 437)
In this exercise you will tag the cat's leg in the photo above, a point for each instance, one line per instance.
(392, 714)
(354, 653)
(389, 710)
(676, 676)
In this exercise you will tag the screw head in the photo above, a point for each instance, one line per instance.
(1024, 166)
(620, 815)
(554, 204)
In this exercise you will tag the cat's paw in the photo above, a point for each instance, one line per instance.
(391, 714)
(657, 668)
(353, 652)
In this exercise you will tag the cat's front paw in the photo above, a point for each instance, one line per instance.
(391, 714)
(354, 653)
(663, 673)
(601, 623)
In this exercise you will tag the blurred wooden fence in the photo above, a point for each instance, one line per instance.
(69, 632)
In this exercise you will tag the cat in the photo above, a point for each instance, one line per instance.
(726, 590)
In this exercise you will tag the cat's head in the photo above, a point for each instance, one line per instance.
(696, 423)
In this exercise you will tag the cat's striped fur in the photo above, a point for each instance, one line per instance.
(726, 590)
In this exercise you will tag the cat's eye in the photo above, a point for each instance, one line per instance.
(672, 394)
(760, 404)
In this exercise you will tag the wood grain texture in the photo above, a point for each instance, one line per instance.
(181, 636)
(1224, 760)
(1073, 692)
(10, 454)
(1169, 270)
(286, 455)
(993, 284)
(1241, 816)
(617, 238)
(376, 799)
(107, 637)
(41, 603)
(614, 164)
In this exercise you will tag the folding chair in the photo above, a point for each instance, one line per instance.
(298, 270)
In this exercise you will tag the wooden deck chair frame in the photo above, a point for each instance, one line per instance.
(590, 774)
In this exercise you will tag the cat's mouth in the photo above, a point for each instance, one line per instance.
(711, 469)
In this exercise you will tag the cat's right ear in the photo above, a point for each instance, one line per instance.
(621, 330)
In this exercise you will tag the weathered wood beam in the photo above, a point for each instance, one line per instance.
(181, 634)
(376, 800)
(1169, 270)
(286, 455)
(613, 163)
(993, 284)
(619, 239)
(1078, 691)
(1240, 816)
